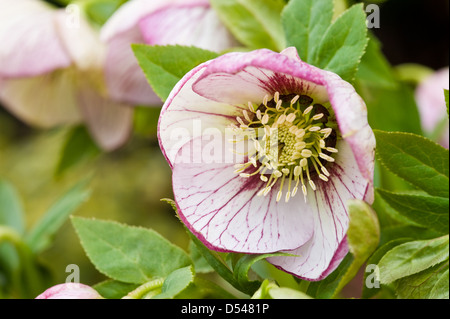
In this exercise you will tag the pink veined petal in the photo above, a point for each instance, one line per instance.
(186, 23)
(351, 115)
(319, 256)
(124, 77)
(242, 77)
(109, 123)
(30, 42)
(186, 113)
(70, 291)
(44, 101)
(222, 209)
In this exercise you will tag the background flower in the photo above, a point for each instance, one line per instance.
(156, 22)
(51, 72)
(431, 103)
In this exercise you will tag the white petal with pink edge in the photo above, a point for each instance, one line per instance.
(186, 112)
(330, 219)
(222, 208)
(351, 115)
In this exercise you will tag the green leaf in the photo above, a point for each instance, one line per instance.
(242, 269)
(202, 288)
(363, 233)
(440, 289)
(416, 159)
(327, 288)
(215, 261)
(399, 231)
(11, 211)
(171, 202)
(113, 289)
(254, 24)
(200, 263)
(431, 283)
(363, 236)
(399, 103)
(304, 23)
(127, 253)
(164, 66)
(77, 147)
(412, 257)
(99, 11)
(343, 44)
(374, 69)
(42, 233)
(370, 291)
(176, 282)
(427, 211)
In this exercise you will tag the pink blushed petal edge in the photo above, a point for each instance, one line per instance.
(257, 73)
(338, 256)
(167, 104)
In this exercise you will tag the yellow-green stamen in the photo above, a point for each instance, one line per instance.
(291, 143)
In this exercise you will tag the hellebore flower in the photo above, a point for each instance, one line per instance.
(70, 291)
(302, 148)
(51, 72)
(156, 22)
(431, 103)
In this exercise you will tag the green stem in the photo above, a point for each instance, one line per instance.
(10, 235)
(146, 289)
(31, 275)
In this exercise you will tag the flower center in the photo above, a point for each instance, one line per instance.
(294, 141)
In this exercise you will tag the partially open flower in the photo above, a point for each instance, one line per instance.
(431, 104)
(161, 22)
(301, 147)
(70, 291)
(51, 71)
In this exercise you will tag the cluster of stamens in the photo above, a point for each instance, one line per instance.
(292, 143)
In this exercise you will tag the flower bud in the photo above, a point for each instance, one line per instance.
(70, 291)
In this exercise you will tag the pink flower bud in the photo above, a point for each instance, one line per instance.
(70, 291)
